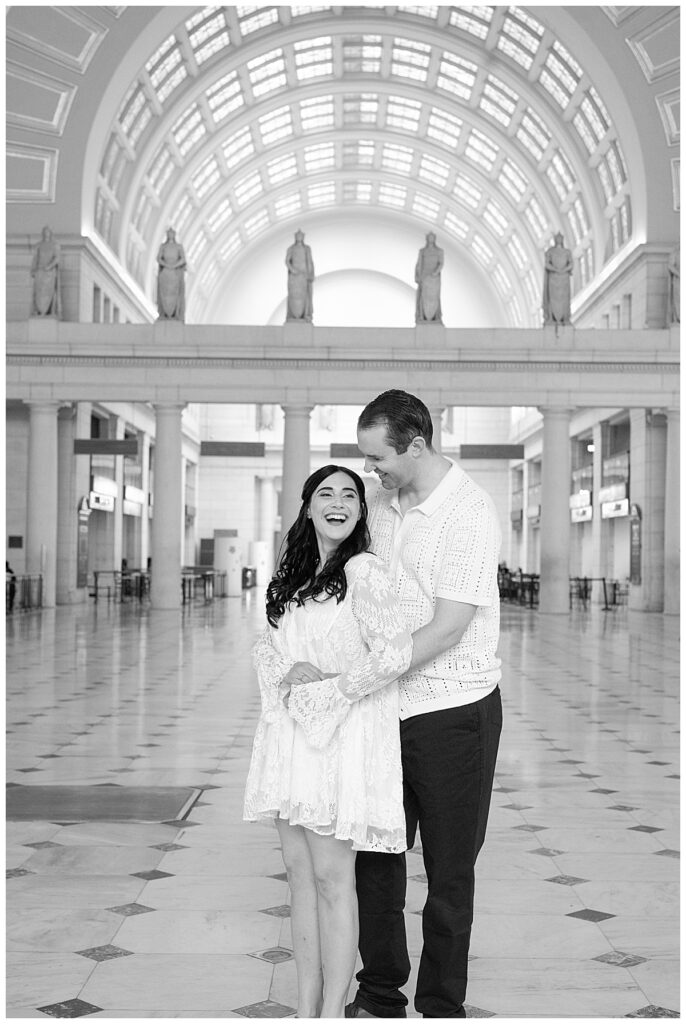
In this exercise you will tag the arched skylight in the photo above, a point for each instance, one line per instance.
(474, 119)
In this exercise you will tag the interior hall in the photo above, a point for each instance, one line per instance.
(228, 228)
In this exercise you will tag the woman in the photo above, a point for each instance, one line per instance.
(326, 756)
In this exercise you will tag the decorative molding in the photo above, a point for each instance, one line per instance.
(320, 365)
(619, 14)
(80, 26)
(668, 103)
(656, 47)
(55, 95)
(44, 165)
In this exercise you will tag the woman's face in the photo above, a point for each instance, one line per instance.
(334, 511)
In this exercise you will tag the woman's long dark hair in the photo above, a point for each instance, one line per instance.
(296, 577)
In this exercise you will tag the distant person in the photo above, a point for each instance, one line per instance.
(427, 275)
(10, 585)
(300, 278)
(326, 756)
(45, 271)
(557, 283)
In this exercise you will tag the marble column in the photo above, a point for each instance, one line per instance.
(437, 421)
(144, 454)
(67, 502)
(296, 461)
(555, 523)
(167, 524)
(41, 515)
(648, 460)
(672, 514)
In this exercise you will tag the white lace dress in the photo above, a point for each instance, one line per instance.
(331, 760)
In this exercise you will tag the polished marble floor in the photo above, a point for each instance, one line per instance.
(577, 908)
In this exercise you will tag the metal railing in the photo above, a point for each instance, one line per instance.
(24, 593)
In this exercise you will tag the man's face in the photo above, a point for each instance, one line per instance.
(393, 469)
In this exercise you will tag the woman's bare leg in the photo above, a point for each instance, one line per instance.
(304, 917)
(334, 872)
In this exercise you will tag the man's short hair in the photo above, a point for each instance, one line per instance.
(405, 417)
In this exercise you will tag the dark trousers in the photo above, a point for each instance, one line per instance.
(448, 762)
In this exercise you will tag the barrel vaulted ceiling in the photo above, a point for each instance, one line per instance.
(493, 126)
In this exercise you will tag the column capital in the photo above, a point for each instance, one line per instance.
(297, 408)
(169, 406)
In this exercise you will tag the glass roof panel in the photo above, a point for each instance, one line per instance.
(317, 114)
(357, 191)
(197, 247)
(474, 20)
(517, 251)
(184, 208)
(425, 10)
(225, 96)
(397, 158)
(318, 158)
(282, 168)
(403, 113)
(231, 246)
(425, 206)
(536, 218)
(456, 225)
(444, 127)
(456, 75)
(313, 58)
(286, 206)
(206, 178)
(410, 59)
(533, 134)
(207, 33)
(360, 109)
(501, 279)
(483, 251)
(238, 147)
(392, 195)
(498, 100)
(495, 218)
(248, 187)
(252, 17)
(362, 55)
(275, 125)
(257, 223)
(267, 72)
(220, 215)
(161, 170)
(481, 149)
(434, 170)
(512, 180)
(359, 153)
(189, 129)
(467, 192)
(322, 194)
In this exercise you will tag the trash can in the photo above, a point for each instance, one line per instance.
(249, 577)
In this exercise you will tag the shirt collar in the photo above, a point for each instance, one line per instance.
(446, 486)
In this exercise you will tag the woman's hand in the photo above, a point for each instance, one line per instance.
(304, 672)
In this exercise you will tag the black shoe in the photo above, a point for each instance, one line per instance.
(353, 1010)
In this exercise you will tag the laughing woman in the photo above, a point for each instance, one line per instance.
(326, 756)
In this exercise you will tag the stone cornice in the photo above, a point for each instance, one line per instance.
(437, 365)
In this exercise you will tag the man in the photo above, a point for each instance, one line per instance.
(438, 533)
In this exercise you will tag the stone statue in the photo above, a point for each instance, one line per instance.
(45, 271)
(674, 267)
(171, 290)
(300, 278)
(427, 275)
(557, 283)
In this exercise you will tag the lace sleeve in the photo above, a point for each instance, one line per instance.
(377, 610)
(319, 708)
(271, 667)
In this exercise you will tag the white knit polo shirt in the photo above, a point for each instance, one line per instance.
(446, 547)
